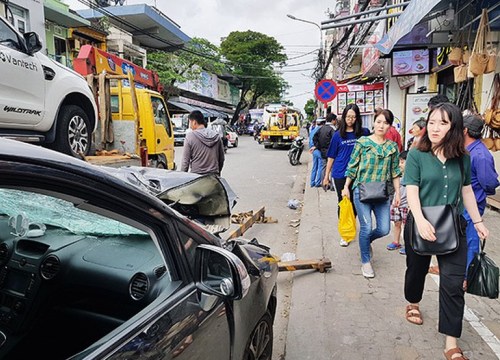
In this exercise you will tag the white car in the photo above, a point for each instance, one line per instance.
(41, 100)
(232, 136)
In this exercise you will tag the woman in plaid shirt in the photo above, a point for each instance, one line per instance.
(373, 159)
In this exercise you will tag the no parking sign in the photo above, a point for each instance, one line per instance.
(326, 91)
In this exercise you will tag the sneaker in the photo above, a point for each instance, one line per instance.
(402, 251)
(393, 246)
(367, 270)
(343, 243)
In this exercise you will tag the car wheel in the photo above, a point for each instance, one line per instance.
(235, 143)
(268, 146)
(73, 133)
(260, 344)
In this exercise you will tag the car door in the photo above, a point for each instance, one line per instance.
(190, 325)
(163, 132)
(123, 280)
(22, 83)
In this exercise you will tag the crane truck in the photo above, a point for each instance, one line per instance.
(133, 115)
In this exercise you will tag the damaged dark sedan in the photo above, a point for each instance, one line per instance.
(121, 264)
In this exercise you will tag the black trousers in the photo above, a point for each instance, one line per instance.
(339, 185)
(451, 277)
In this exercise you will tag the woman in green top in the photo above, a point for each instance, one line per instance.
(433, 177)
(373, 159)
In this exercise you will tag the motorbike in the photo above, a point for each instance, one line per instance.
(256, 132)
(296, 150)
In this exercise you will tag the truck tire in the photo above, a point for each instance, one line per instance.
(73, 132)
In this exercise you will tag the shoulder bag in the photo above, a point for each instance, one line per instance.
(446, 222)
(373, 192)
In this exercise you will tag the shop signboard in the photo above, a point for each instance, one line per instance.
(368, 97)
(371, 54)
(416, 109)
(440, 59)
(411, 16)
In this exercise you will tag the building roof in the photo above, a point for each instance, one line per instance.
(59, 13)
(148, 25)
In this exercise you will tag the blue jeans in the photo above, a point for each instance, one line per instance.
(472, 237)
(317, 169)
(367, 234)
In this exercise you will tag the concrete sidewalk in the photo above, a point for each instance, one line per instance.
(342, 315)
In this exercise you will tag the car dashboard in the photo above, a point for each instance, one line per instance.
(59, 285)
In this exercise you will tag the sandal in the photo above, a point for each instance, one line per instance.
(434, 269)
(449, 354)
(413, 314)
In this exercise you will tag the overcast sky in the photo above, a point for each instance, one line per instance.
(214, 19)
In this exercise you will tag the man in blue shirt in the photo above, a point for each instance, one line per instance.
(317, 167)
(484, 178)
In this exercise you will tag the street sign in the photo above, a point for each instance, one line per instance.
(326, 91)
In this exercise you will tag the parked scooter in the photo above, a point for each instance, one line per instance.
(296, 150)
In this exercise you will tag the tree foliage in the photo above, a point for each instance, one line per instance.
(186, 64)
(252, 57)
(309, 108)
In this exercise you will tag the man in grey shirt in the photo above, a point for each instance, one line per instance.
(203, 149)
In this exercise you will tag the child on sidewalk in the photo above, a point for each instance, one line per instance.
(398, 214)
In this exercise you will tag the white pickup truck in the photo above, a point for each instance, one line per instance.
(41, 100)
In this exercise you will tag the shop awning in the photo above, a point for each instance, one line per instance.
(182, 105)
(149, 26)
(411, 16)
(60, 14)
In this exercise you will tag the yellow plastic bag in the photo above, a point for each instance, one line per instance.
(347, 220)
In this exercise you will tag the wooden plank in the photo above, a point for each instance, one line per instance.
(247, 224)
(317, 264)
(494, 201)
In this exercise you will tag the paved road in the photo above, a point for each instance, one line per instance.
(264, 177)
(340, 314)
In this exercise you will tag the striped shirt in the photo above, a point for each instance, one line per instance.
(372, 162)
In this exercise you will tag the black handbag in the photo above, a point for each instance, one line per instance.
(482, 275)
(373, 192)
(445, 220)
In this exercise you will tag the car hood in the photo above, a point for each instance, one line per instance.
(207, 198)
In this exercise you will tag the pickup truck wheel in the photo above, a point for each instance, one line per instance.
(73, 134)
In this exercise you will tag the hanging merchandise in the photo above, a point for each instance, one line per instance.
(456, 54)
(487, 138)
(492, 113)
(465, 99)
(491, 51)
(480, 56)
(460, 73)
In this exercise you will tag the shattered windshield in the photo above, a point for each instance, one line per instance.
(44, 209)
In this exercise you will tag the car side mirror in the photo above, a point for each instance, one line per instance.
(219, 272)
(33, 43)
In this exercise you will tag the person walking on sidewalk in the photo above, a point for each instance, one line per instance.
(203, 148)
(399, 213)
(374, 159)
(484, 178)
(340, 149)
(434, 176)
(317, 166)
(322, 139)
